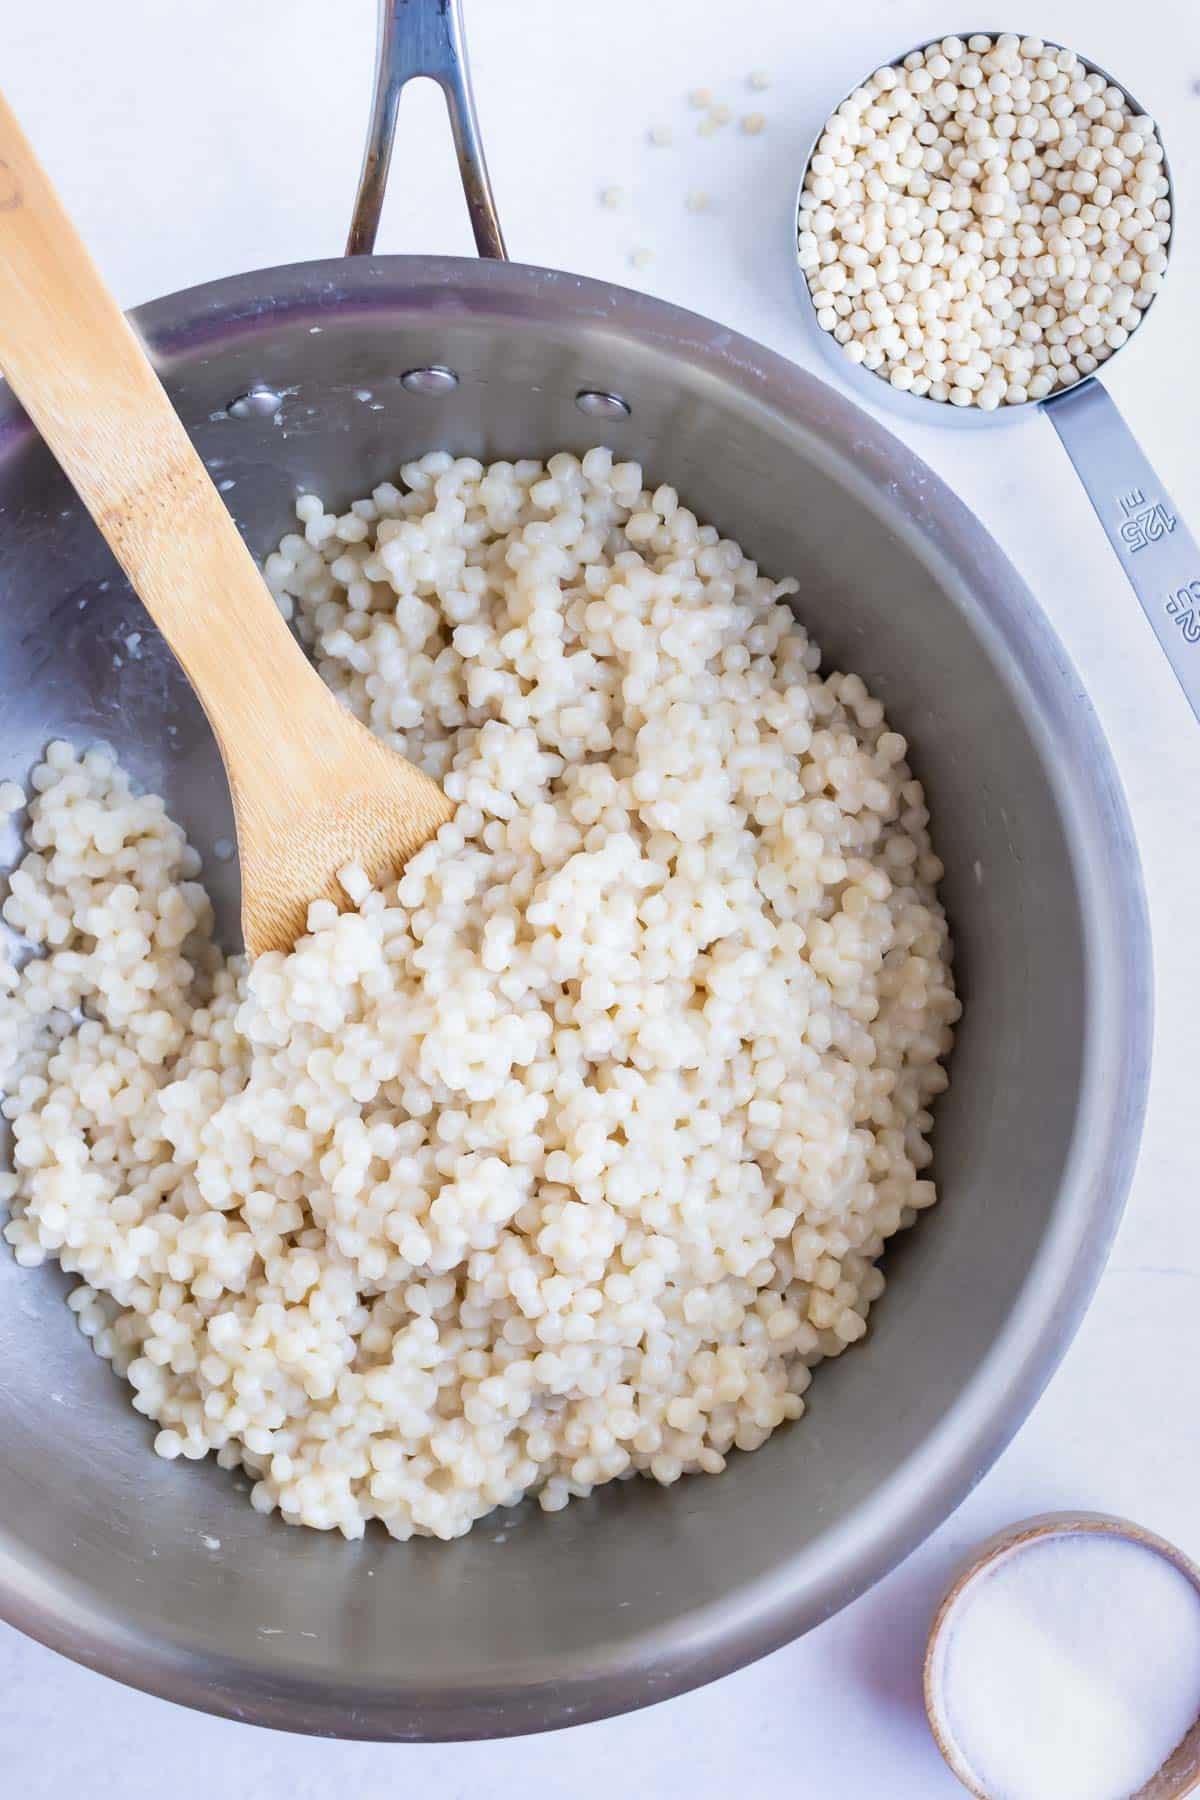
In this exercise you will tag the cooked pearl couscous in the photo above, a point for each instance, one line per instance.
(569, 1153)
(985, 222)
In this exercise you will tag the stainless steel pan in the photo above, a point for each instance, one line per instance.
(533, 1621)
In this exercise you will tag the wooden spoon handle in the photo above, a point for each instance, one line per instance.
(83, 376)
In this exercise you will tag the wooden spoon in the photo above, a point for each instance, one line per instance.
(312, 789)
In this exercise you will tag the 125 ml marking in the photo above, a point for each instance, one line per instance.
(1146, 521)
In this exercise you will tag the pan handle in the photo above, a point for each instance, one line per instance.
(423, 37)
(1158, 553)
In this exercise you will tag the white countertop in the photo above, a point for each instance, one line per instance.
(195, 140)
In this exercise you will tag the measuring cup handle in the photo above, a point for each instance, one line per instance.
(423, 37)
(1155, 548)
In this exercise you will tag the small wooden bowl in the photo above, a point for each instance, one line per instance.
(1180, 1774)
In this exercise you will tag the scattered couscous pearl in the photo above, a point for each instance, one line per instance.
(759, 80)
(567, 1154)
(753, 123)
(700, 99)
(641, 257)
(12, 798)
(989, 215)
(699, 200)
(661, 135)
(613, 198)
(720, 114)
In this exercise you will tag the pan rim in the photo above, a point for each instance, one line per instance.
(698, 1647)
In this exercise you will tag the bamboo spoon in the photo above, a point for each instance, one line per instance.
(312, 789)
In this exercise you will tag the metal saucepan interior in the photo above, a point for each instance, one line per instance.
(637, 1592)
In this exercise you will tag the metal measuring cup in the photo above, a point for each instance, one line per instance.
(1158, 553)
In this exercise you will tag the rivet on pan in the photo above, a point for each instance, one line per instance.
(602, 406)
(258, 402)
(434, 380)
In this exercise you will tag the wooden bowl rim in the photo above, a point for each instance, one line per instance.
(1180, 1773)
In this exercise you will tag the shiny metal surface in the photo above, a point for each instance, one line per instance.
(1153, 545)
(433, 381)
(259, 400)
(161, 1574)
(1114, 470)
(638, 1592)
(602, 406)
(423, 37)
